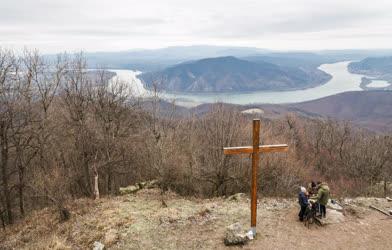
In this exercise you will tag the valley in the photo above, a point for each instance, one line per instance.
(341, 81)
(343, 98)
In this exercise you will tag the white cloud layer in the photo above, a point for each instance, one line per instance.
(97, 25)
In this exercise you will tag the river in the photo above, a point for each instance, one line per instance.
(342, 81)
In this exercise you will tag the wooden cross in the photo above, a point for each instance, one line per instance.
(255, 150)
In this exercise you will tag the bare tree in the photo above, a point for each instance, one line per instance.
(110, 103)
(9, 71)
(76, 87)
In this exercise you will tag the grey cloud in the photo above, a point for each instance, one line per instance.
(314, 20)
(99, 32)
(154, 23)
(147, 21)
(326, 20)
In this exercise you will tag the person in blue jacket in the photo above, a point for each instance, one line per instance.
(303, 202)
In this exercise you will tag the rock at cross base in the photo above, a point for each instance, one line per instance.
(235, 235)
(98, 246)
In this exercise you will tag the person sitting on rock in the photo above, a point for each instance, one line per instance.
(303, 202)
(322, 197)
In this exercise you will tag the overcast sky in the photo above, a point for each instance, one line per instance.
(112, 25)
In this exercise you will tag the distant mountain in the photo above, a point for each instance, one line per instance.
(354, 54)
(231, 74)
(294, 59)
(157, 59)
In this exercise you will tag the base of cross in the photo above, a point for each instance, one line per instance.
(253, 230)
(251, 234)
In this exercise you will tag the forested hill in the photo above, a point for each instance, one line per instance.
(372, 66)
(379, 67)
(371, 110)
(231, 74)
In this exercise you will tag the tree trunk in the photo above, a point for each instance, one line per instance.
(21, 190)
(4, 172)
(96, 183)
(109, 187)
(87, 176)
(385, 188)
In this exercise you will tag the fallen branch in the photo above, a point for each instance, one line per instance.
(380, 210)
(138, 186)
(388, 199)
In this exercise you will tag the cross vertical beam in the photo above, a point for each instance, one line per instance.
(255, 150)
(255, 165)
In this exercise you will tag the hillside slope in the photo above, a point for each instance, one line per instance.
(369, 109)
(140, 222)
(231, 74)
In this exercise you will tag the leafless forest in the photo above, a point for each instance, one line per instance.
(66, 133)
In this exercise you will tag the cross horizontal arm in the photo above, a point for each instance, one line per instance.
(249, 149)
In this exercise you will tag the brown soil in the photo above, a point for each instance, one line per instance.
(140, 222)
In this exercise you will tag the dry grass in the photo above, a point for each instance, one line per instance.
(140, 222)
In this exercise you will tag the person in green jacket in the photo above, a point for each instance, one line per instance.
(322, 197)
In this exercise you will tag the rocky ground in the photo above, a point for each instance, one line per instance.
(140, 221)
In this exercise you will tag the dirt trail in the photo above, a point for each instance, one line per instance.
(371, 232)
(140, 222)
